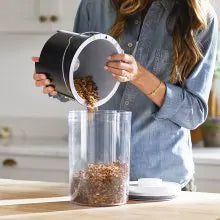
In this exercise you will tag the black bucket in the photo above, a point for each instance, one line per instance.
(67, 55)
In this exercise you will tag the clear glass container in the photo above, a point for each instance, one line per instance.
(99, 155)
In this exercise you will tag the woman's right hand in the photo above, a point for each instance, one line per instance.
(42, 81)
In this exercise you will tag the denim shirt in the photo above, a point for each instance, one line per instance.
(161, 143)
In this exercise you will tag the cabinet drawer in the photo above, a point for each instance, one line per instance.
(207, 171)
(33, 162)
(206, 185)
(35, 175)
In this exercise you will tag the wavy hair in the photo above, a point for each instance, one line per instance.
(187, 17)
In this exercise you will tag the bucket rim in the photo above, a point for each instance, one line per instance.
(74, 60)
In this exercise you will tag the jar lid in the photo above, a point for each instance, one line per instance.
(153, 189)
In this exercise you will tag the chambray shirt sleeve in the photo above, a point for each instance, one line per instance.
(188, 106)
(81, 24)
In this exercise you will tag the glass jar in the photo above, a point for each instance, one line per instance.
(99, 154)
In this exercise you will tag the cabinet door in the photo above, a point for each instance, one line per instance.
(23, 16)
(31, 167)
(62, 14)
(207, 177)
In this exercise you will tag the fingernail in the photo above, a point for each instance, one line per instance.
(109, 58)
(113, 75)
(53, 93)
(105, 67)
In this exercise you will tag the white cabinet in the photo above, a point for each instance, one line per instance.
(35, 161)
(207, 177)
(31, 167)
(66, 11)
(47, 160)
(37, 16)
(207, 169)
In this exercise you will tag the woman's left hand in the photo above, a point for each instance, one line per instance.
(124, 67)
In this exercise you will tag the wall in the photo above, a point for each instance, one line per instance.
(19, 97)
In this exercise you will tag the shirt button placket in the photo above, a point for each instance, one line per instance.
(126, 103)
(136, 22)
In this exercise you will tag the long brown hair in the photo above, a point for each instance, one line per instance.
(187, 16)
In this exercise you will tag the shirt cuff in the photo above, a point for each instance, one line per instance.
(61, 97)
(173, 98)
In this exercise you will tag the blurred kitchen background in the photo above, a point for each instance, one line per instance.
(33, 127)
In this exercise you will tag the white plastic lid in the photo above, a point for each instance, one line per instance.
(145, 187)
(150, 182)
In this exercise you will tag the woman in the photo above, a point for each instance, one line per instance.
(166, 80)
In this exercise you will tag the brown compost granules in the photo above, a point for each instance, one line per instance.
(101, 184)
(87, 90)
